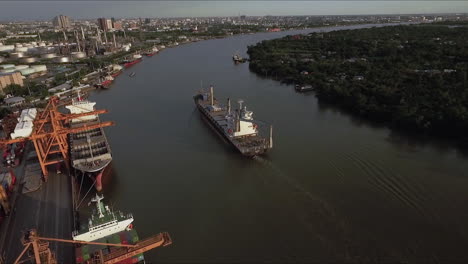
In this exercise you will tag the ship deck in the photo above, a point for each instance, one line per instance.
(93, 155)
(247, 145)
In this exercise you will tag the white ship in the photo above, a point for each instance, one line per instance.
(103, 222)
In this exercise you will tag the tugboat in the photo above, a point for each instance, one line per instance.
(132, 74)
(90, 152)
(238, 59)
(304, 88)
(237, 127)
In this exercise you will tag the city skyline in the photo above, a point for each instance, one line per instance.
(46, 10)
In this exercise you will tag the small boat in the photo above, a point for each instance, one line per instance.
(238, 59)
(132, 74)
(304, 88)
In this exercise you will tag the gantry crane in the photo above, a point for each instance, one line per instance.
(50, 134)
(41, 252)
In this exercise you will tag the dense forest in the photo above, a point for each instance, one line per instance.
(412, 76)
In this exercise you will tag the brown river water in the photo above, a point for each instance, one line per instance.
(335, 188)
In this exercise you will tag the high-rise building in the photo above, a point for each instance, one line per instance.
(147, 20)
(61, 21)
(118, 25)
(105, 24)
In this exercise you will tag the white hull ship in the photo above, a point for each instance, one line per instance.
(103, 222)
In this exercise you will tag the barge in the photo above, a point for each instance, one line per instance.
(236, 127)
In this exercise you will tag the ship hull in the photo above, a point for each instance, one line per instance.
(249, 152)
(116, 74)
(131, 63)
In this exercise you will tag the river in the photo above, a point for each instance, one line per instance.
(334, 188)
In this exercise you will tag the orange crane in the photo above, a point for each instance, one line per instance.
(42, 253)
(50, 134)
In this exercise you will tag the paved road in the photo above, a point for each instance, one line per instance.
(49, 211)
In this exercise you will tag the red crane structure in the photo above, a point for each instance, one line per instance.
(41, 252)
(50, 131)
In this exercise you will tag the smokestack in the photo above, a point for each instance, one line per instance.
(99, 36)
(105, 36)
(271, 136)
(115, 43)
(77, 42)
(229, 106)
(211, 95)
(237, 120)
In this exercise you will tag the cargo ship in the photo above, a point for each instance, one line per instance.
(105, 226)
(236, 127)
(114, 70)
(90, 152)
(151, 52)
(106, 81)
(134, 60)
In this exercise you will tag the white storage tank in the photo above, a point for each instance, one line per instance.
(7, 48)
(7, 66)
(16, 55)
(21, 49)
(21, 67)
(62, 59)
(39, 68)
(48, 55)
(8, 70)
(27, 71)
(78, 55)
(28, 60)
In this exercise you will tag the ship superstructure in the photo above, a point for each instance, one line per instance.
(237, 127)
(103, 222)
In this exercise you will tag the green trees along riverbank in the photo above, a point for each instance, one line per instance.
(412, 76)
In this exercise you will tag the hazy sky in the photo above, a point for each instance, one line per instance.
(21, 10)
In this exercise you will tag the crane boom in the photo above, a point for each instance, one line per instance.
(42, 253)
(85, 242)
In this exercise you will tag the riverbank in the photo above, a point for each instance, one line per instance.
(405, 77)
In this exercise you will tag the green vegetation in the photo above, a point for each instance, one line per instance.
(28, 90)
(412, 76)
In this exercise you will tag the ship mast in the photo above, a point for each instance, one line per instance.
(97, 200)
(212, 95)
